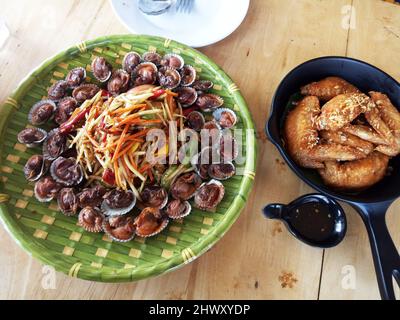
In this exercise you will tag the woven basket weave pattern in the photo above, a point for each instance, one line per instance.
(57, 240)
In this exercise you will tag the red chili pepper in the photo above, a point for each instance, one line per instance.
(150, 173)
(156, 94)
(69, 126)
(109, 177)
(102, 123)
(186, 111)
(105, 93)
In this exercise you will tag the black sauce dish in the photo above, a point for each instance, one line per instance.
(314, 219)
(372, 203)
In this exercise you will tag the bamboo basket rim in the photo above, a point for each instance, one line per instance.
(109, 274)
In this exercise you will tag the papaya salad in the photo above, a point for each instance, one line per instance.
(111, 145)
(95, 163)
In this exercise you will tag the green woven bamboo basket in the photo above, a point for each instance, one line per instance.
(57, 240)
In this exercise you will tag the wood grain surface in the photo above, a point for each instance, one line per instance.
(257, 259)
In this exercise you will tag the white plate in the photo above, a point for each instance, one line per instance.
(210, 21)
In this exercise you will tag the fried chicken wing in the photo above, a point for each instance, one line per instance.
(365, 133)
(355, 175)
(390, 116)
(374, 119)
(390, 151)
(347, 139)
(303, 143)
(388, 111)
(392, 147)
(333, 151)
(328, 88)
(301, 133)
(342, 110)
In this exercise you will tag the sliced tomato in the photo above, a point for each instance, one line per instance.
(109, 177)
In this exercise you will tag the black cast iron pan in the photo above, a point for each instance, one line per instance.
(373, 203)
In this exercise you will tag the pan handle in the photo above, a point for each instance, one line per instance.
(384, 252)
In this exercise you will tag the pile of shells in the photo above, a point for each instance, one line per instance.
(58, 176)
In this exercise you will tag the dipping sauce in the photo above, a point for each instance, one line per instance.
(312, 221)
(315, 219)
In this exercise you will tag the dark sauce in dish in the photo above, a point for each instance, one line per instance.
(312, 221)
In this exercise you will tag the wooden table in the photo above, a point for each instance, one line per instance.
(257, 259)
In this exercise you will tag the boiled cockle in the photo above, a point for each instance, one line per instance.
(85, 92)
(41, 112)
(187, 96)
(35, 167)
(177, 209)
(150, 222)
(67, 201)
(120, 228)
(228, 148)
(226, 118)
(221, 171)
(32, 137)
(55, 144)
(91, 219)
(144, 73)
(212, 130)
(169, 78)
(153, 57)
(118, 202)
(119, 82)
(75, 77)
(188, 75)
(91, 197)
(202, 170)
(58, 90)
(202, 85)
(154, 196)
(65, 107)
(209, 195)
(46, 189)
(208, 102)
(173, 61)
(185, 186)
(130, 61)
(195, 120)
(201, 161)
(101, 69)
(66, 171)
